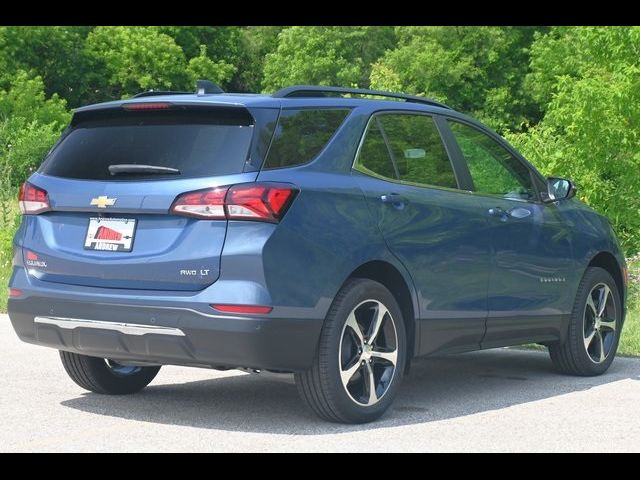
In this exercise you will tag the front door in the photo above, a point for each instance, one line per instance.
(439, 233)
(529, 286)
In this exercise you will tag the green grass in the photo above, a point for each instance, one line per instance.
(9, 220)
(5, 273)
(630, 340)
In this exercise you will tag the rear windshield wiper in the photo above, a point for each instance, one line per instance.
(134, 168)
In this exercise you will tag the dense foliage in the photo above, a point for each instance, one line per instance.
(566, 96)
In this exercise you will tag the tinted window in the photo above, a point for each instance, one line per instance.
(407, 147)
(493, 168)
(301, 134)
(196, 145)
(374, 155)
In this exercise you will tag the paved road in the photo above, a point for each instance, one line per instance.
(501, 400)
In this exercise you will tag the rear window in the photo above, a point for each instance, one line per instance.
(301, 135)
(198, 144)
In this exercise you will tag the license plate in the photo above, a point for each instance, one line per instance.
(110, 234)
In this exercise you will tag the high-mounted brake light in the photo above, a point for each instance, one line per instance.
(147, 106)
(251, 201)
(33, 200)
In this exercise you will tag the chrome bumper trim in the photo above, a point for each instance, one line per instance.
(126, 328)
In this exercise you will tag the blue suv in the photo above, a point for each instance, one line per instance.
(317, 231)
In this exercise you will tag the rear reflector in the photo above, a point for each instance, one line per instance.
(33, 200)
(14, 292)
(242, 308)
(147, 106)
(250, 201)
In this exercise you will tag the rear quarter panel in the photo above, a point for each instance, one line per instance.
(328, 232)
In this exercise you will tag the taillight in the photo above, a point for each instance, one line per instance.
(252, 201)
(32, 199)
(202, 204)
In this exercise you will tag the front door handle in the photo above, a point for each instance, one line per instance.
(516, 212)
(519, 212)
(394, 199)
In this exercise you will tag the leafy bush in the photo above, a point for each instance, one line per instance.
(591, 128)
(325, 56)
(29, 126)
(479, 70)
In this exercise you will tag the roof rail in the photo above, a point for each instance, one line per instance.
(155, 93)
(317, 91)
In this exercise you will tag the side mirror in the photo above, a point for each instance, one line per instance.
(559, 189)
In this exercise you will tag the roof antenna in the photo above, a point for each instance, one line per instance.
(204, 87)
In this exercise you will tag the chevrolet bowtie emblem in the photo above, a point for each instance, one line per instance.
(103, 202)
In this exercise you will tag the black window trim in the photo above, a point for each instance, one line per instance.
(455, 147)
(355, 166)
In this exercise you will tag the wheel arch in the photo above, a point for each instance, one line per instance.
(607, 261)
(402, 289)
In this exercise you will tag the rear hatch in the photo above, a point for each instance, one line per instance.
(109, 224)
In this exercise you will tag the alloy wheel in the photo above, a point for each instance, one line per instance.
(368, 352)
(600, 323)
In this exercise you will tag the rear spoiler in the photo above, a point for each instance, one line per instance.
(126, 109)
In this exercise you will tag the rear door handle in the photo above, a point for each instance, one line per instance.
(394, 199)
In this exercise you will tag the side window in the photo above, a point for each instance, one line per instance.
(493, 168)
(374, 155)
(407, 147)
(301, 135)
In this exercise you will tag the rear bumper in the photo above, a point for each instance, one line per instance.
(149, 330)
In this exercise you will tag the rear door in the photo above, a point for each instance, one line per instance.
(438, 232)
(112, 227)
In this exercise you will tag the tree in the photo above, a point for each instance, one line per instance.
(478, 70)
(212, 53)
(573, 51)
(29, 125)
(53, 53)
(257, 43)
(223, 43)
(203, 68)
(326, 55)
(137, 58)
(591, 128)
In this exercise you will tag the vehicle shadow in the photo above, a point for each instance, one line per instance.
(436, 389)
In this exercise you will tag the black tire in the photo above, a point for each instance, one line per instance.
(573, 357)
(321, 386)
(95, 374)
